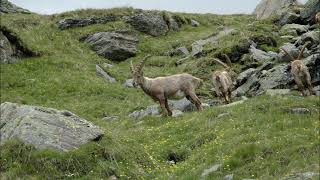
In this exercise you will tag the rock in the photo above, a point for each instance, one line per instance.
(182, 51)
(113, 177)
(212, 169)
(12, 50)
(290, 48)
(113, 45)
(311, 7)
(104, 74)
(151, 23)
(263, 40)
(277, 92)
(312, 36)
(75, 22)
(182, 105)
(276, 78)
(195, 23)
(128, 83)
(228, 177)
(197, 46)
(176, 113)
(313, 64)
(8, 7)
(234, 103)
(223, 115)
(109, 118)
(288, 18)
(317, 89)
(173, 24)
(268, 8)
(300, 111)
(294, 29)
(45, 127)
(244, 76)
(259, 55)
(149, 111)
(302, 176)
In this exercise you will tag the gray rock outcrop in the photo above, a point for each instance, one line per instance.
(113, 45)
(269, 76)
(12, 50)
(309, 11)
(268, 8)
(182, 105)
(151, 23)
(8, 7)
(294, 29)
(104, 74)
(76, 22)
(45, 127)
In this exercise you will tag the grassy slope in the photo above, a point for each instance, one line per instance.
(258, 139)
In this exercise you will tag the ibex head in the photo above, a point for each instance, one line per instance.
(137, 72)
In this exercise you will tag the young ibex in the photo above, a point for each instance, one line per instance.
(163, 88)
(301, 73)
(222, 80)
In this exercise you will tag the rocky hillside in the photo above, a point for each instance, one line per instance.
(69, 108)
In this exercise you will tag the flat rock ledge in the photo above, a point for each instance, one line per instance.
(45, 127)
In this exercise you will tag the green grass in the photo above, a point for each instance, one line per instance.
(259, 139)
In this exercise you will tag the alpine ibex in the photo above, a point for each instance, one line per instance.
(317, 17)
(222, 80)
(169, 87)
(301, 73)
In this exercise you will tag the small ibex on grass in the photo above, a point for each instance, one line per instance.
(301, 73)
(222, 80)
(170, 87)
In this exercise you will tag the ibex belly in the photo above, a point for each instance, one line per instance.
(178, 95)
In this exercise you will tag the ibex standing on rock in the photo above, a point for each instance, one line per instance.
(222, 80)
(301, 73)
(163, 88)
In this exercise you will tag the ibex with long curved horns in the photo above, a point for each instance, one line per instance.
(301, 73)
(222, 80)
(163, 88)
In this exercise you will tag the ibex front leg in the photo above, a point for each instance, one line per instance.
(162, 102)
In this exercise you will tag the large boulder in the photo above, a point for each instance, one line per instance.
(6, 50)
(293, 29)
(259, 55)
(151, 23)
(12, 50)
(8, 7)
(268, 8)
(310, 10)
(45, 127)
(277, 77)
(288, 18)
(291, 49)
(113, 45)
(76, 22)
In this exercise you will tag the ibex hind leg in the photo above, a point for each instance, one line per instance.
(191, 96)
(162, 102)
(167, 107)
(309, 85)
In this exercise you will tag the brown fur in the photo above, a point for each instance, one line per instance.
(317, 17)
(169, 87)
(222, 81)
(301, 73)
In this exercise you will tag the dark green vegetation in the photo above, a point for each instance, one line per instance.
(258, 139)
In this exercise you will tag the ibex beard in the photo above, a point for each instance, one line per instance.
(169, 87)
(301, 73)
